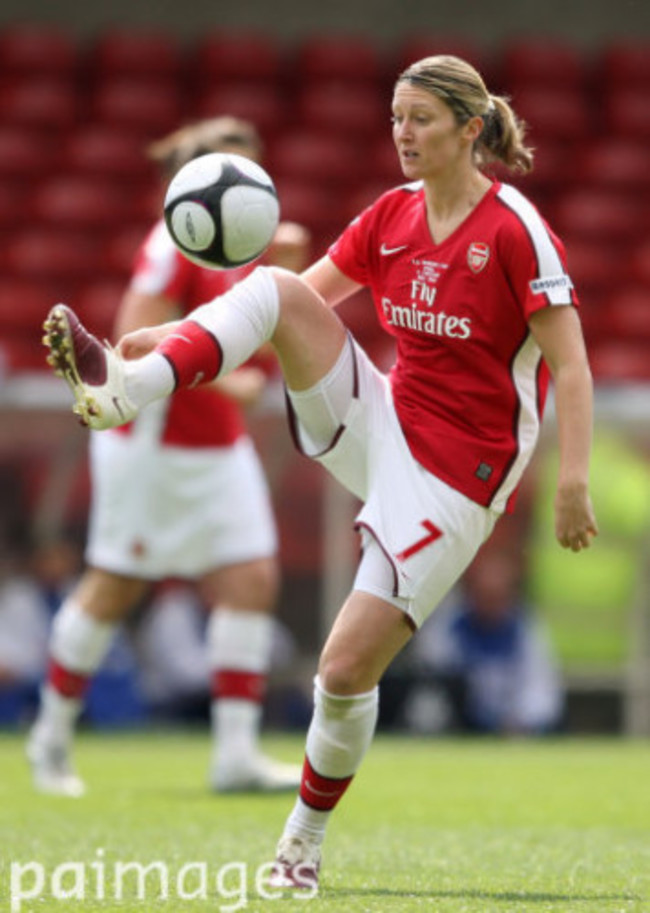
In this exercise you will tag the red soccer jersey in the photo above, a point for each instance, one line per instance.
(198, 417)
(469, 381)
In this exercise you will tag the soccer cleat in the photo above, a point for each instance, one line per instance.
(261, 775)
(93, 371)
(52, 771)
(296, 866)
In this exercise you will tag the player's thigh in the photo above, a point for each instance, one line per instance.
(108, 597)
(245, 585)
(309, 336)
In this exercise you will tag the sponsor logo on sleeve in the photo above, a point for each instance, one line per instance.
(550, 284)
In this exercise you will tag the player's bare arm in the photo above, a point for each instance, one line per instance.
(558, 333)
(329, 282)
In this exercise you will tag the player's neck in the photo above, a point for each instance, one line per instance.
(450, 200)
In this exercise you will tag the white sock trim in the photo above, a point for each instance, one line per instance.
(239, 639)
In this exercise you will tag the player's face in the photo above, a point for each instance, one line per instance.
(429, 141)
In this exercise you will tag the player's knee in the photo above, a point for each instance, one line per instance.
(345, 674)
(295, 294)
(263, 583)
(250, 586)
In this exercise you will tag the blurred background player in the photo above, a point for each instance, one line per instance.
(179, 493)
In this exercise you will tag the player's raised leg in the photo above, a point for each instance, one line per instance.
(109, 386)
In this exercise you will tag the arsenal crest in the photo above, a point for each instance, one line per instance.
(478, 255)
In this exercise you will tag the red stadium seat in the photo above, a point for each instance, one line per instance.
(97, 304)
(356, 201)
(265, 106)
(624, 62)
(19, 354)
(51, 255)
(144, 107)
(39, 102)
(384, 164)
(78, 202)
(594, 266)
(349, 110)
(620, 362)
(139, 53)
(326, 160)
(542, 62)
(626, 314)
(105, 150)
(618, 163)
(553, 113)
(415, 47)
(627, 112)
(241, 56)
(338, 57)
(599, 215)
(553, 171)
(118, 252)
(313, 206)
(29, 50)
(24, 304)
(12, 210)
(637, 264)
(25, 153)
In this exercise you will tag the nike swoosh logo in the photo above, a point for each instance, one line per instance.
(386, 251)
(117, 405)
(326, 794)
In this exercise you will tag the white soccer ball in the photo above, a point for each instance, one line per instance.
(221, 210)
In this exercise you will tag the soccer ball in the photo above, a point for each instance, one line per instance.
(221, 210)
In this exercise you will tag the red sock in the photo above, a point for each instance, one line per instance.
(238, 685)
(67, 683)
(321, 793)
(193, 353)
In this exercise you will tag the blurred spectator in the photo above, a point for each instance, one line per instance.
(489, 653)
(28, 600)
(482, 662)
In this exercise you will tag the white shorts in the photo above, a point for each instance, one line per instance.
(427, 531)
(173, 511)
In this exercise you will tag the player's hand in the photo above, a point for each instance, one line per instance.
(290, 247)
(141, 342)
(575, 521)
(245, 385)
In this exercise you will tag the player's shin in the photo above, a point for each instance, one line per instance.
(219, 336)
(78, 645)
(339, 735)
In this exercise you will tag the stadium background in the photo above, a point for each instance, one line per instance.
(83, 86)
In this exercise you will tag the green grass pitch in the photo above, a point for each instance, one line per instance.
(447, 826)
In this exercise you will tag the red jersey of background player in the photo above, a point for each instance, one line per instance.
(198, 417)
(469, 382)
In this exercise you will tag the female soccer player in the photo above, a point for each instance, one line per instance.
(471, 282)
